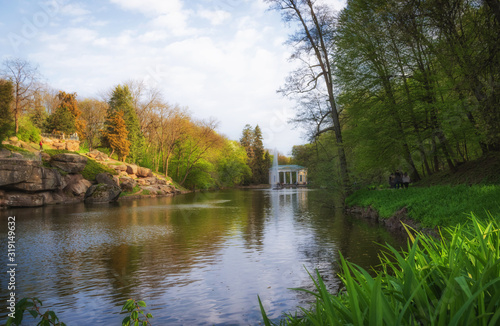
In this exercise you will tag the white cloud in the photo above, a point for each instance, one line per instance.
(74, 9)
(152, 7)
(216, 17)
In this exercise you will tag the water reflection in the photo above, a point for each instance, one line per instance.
(197, 259)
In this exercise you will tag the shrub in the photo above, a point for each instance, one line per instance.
(28, 132)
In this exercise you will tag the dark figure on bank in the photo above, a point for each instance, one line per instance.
(406, 180)
(392, 181)
(399, 179)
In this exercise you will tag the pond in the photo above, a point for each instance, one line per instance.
(196, 259)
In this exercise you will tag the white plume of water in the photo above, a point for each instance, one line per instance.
(274, 170)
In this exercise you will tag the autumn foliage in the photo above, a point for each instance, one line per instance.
(117, 133)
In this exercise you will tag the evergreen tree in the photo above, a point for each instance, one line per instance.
(260, 168)
(39, 117)
(116, 135)
(6, 119)
(122, 101)
(61, 121)
(247, 140)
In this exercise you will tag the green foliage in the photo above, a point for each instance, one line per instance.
(53, 152)
(438, 205)
(232, 166)
(28, 132)
(38, 116)
(259, 164)
(6, 118)
(450, 281)
(137, 315)
(32, 305)
(93, 168)
(318, 157)
(122, 100)
(62, 120)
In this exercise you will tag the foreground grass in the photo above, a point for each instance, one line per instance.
(451, 281)
(433, 206)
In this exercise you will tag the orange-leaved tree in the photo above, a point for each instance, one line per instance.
(116, 133)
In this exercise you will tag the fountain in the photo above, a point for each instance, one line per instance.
(275, 177)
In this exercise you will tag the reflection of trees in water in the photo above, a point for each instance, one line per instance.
(357, 240)
(254, 205)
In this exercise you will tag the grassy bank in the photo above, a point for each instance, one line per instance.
(432, 206)
(451, 281)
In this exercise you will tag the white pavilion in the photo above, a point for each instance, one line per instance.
(288, 175)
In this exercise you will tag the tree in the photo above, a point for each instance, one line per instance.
(260, 168)
(192, 155)
(121, 100)
(116, 134)
(313, 47)
(94, 114)
(232, 165)
(6, 119)
(24, 77)
(66, 118)
(69, 100)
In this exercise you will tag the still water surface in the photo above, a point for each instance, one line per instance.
(196, 259)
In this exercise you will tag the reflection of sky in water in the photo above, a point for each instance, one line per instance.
(195, 259)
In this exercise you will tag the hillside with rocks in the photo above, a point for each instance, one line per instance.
(56, 175)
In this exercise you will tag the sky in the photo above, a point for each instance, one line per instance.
(222, 59)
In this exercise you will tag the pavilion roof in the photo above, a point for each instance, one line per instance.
(291, 167)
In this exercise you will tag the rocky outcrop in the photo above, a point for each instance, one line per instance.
(28, 183)
(16, 171)
(100, 156)
(144, 172)
(41, 179)
(127, 184)
(161, 190)
(102, 193)
(67, 144)
(132, 169)
(71, 163)
(76, 184)
(20, 199)
(107, 178)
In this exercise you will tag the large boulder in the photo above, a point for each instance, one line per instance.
(144, 172)
(102, 193)
(72, 145)
(71, 163)
(127, 184)
(160, 190)
(147, 181)
(118, 168)
(107, 178)
(41, 179)
(100, 156)
(76, 184)
(14, 171)
(131, 169)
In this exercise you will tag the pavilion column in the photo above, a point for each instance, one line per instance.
(297, 177)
